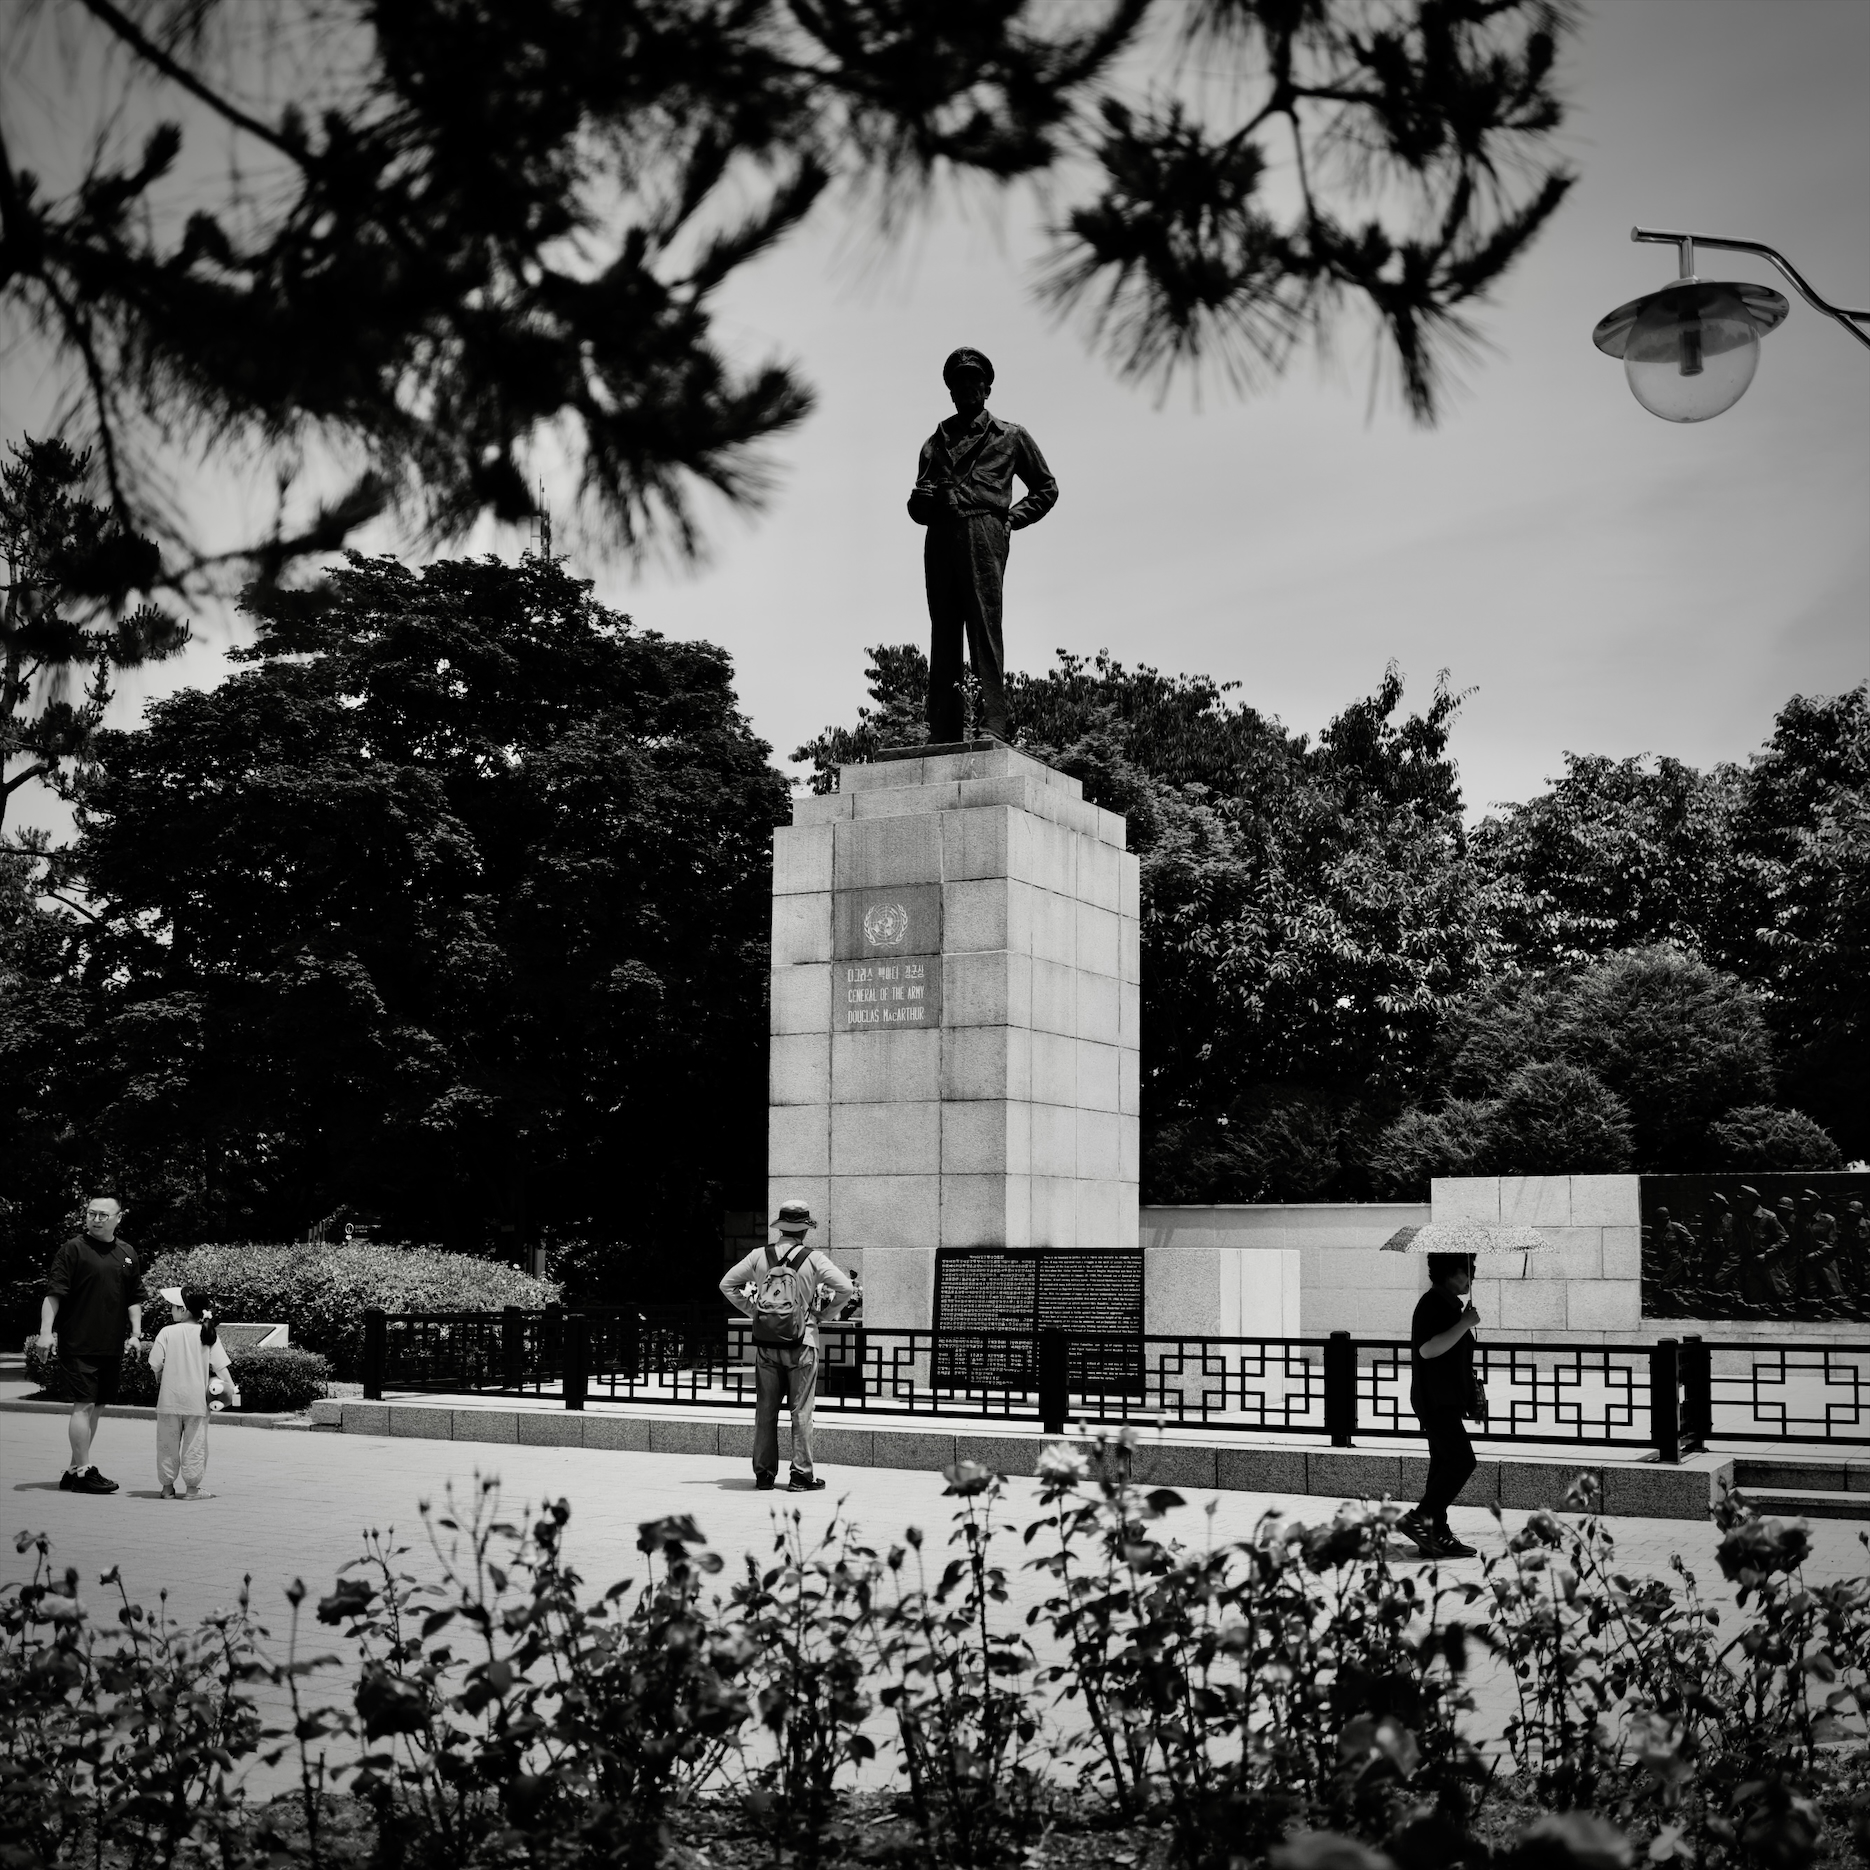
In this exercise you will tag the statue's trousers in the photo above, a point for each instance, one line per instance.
(963, 566)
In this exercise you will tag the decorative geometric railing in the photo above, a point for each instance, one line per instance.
(1666, 1396)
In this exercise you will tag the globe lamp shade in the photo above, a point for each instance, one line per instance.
(1690, 350)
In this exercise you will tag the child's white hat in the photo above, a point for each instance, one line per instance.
(171, 1295)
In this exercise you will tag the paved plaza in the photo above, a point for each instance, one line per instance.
(286, 1504)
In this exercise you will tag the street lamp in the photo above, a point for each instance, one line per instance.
(1691, 349)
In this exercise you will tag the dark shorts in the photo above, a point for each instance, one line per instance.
(89, 1379)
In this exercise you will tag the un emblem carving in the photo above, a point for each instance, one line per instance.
(886, 925)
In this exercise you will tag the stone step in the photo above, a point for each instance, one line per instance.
(1806, 1503)
(1782, 1473)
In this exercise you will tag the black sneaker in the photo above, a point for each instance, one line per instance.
(1448, 1546)
(1420, 1532)
(91, 1481)
(814, 1485)
(68, 1481)
(763, 1483)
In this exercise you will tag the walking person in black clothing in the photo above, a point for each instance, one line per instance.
(1442, 1392)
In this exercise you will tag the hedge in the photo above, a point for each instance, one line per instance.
(270, 1382)
(323, 1290)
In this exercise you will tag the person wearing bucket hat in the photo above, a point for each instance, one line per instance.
(92, 1318)
(964, 496)
(786, 1289)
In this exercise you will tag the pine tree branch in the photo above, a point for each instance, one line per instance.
(151, 53)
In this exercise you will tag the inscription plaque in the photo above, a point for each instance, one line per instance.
(886, 996)
(1017, 1292)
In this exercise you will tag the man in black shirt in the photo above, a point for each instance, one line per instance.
(1441, 1392)
(94, 1295)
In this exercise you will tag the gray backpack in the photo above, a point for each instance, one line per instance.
(783, 1300)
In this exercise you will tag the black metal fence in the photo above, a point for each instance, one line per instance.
(1667, 1397)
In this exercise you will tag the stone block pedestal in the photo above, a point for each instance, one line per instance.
(954, 1017)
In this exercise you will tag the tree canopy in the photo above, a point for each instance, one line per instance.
(479, 227)
(450, 906)
(1762, 869)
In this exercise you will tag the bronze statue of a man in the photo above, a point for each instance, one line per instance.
(964, 496)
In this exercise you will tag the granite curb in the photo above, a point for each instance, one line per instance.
(1646, 1490)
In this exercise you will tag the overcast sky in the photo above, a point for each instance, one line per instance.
(1605, 582)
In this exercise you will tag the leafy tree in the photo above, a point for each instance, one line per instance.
(501, 220)
(471, 931)
(1796, 918)
(42, 1026)
(1772, 1141)
(1761, 869)
(1615, 855)
(70, 567)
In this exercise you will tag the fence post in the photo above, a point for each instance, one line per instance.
(1054, 1379)
(512, 1348)
(376, 1353)
(577, 1359)
(1665, 1399)
(1340, 1388)
(1697, 1366)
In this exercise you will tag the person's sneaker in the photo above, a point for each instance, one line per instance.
(91, 1481)
(763, 1483)
(1420, 1531)
(814, 1485)
(1448, 1546)
(68, 1480)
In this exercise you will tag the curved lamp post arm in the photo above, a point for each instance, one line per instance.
(1687, 243)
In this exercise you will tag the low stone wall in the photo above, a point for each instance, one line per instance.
(1587, 1286)
(1346, 1281)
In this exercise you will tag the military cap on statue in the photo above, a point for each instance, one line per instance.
(967, 358)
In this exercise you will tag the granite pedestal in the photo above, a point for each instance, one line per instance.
(954, 1017)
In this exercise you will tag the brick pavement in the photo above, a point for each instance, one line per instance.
(294, 1504)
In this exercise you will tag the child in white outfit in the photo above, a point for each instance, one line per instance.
(187, 1355)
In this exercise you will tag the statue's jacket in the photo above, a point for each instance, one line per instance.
(968, 473)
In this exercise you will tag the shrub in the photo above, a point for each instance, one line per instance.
(1422, 1144)
(323, 1290)
(276, 1382)
(270, 1382)
(1678, 1041)
(1557, 1120)
(1764, 1138)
